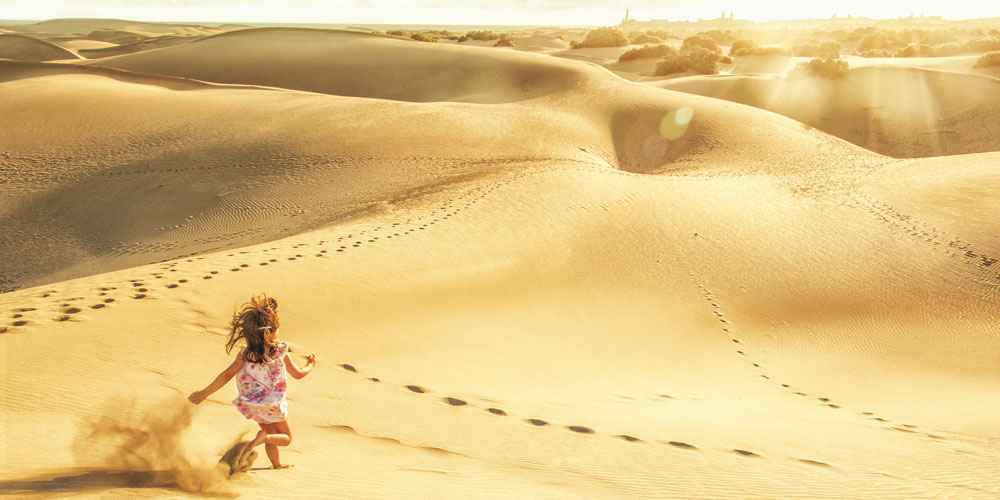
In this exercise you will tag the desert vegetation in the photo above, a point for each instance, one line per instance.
(642, 38)
(693, 59)
(989, 59)
(646, 52)
(829, 68)
(602, 37)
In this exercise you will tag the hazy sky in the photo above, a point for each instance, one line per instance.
(530, 12)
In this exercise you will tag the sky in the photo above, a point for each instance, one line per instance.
(481, 12)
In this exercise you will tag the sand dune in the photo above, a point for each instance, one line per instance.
(358, 64)
(55, 169)
(610, 290)
(26, 48)
(85, 26)
(897, 111)
(81, 44)
(145, 44)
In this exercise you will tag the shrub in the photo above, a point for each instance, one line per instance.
(671, 64)
(875, 53)
(701, 42)
(878, 41)
(396, 33)
(989, 59)
(829, 50)
(504, 42)
(983, 45)
(832, 69)
(948, 49)
(644, 38)
(768, 51)
(646, 52)
(482, 35)
(742, 47)
(420, 37)
(915, 50)
(603, 37)
(696, 60)
(825, 50)
(718, 36)
(701, 60)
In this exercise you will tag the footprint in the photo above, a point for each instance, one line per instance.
(416, 388)
(20, 322)
(64, 317)
(815, 463)
(681, 444)
(139, 296)
(631, 439)
(497, 411)
(455, 401)
(108, 301)
(374, 379)
(745, 453)
(349, 368)
(172, 285)
(581, 429)
(537, 422)
(98, 306)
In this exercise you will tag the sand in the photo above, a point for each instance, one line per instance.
(28, 48)
(517, 288)
(904, 112)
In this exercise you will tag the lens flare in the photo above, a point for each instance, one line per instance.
(674, 125)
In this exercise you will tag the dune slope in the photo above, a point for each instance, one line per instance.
(358, 64)
(897, 111)
(27, 48)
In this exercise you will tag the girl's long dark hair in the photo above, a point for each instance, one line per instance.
(250, 324)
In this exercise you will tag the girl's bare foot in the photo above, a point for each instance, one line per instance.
(282, 466)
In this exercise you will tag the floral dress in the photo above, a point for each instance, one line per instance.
(262, 388)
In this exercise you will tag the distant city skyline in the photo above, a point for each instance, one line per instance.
(476, 12)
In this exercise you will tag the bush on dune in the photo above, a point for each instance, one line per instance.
(983, 45)
(480, 36)
(647, 52)
(603, 37)
(825, 50)
(832, 69)
(420, 37)
(916, 50)
(703, 42)
(876, 53)
(695, 60)
(504, 42)
(742, 47)
(642, 38)
(988, 60)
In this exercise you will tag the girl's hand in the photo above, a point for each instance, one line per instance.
(196, 397)
(311, 359)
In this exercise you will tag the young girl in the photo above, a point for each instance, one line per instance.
(260, 371)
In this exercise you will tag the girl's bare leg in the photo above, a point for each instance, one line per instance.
(272, 449)
(271, 436)
(283, 437)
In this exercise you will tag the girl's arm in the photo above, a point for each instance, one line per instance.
(221, 379)
(297, 372)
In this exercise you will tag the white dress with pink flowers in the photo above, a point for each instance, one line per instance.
(262, 388)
